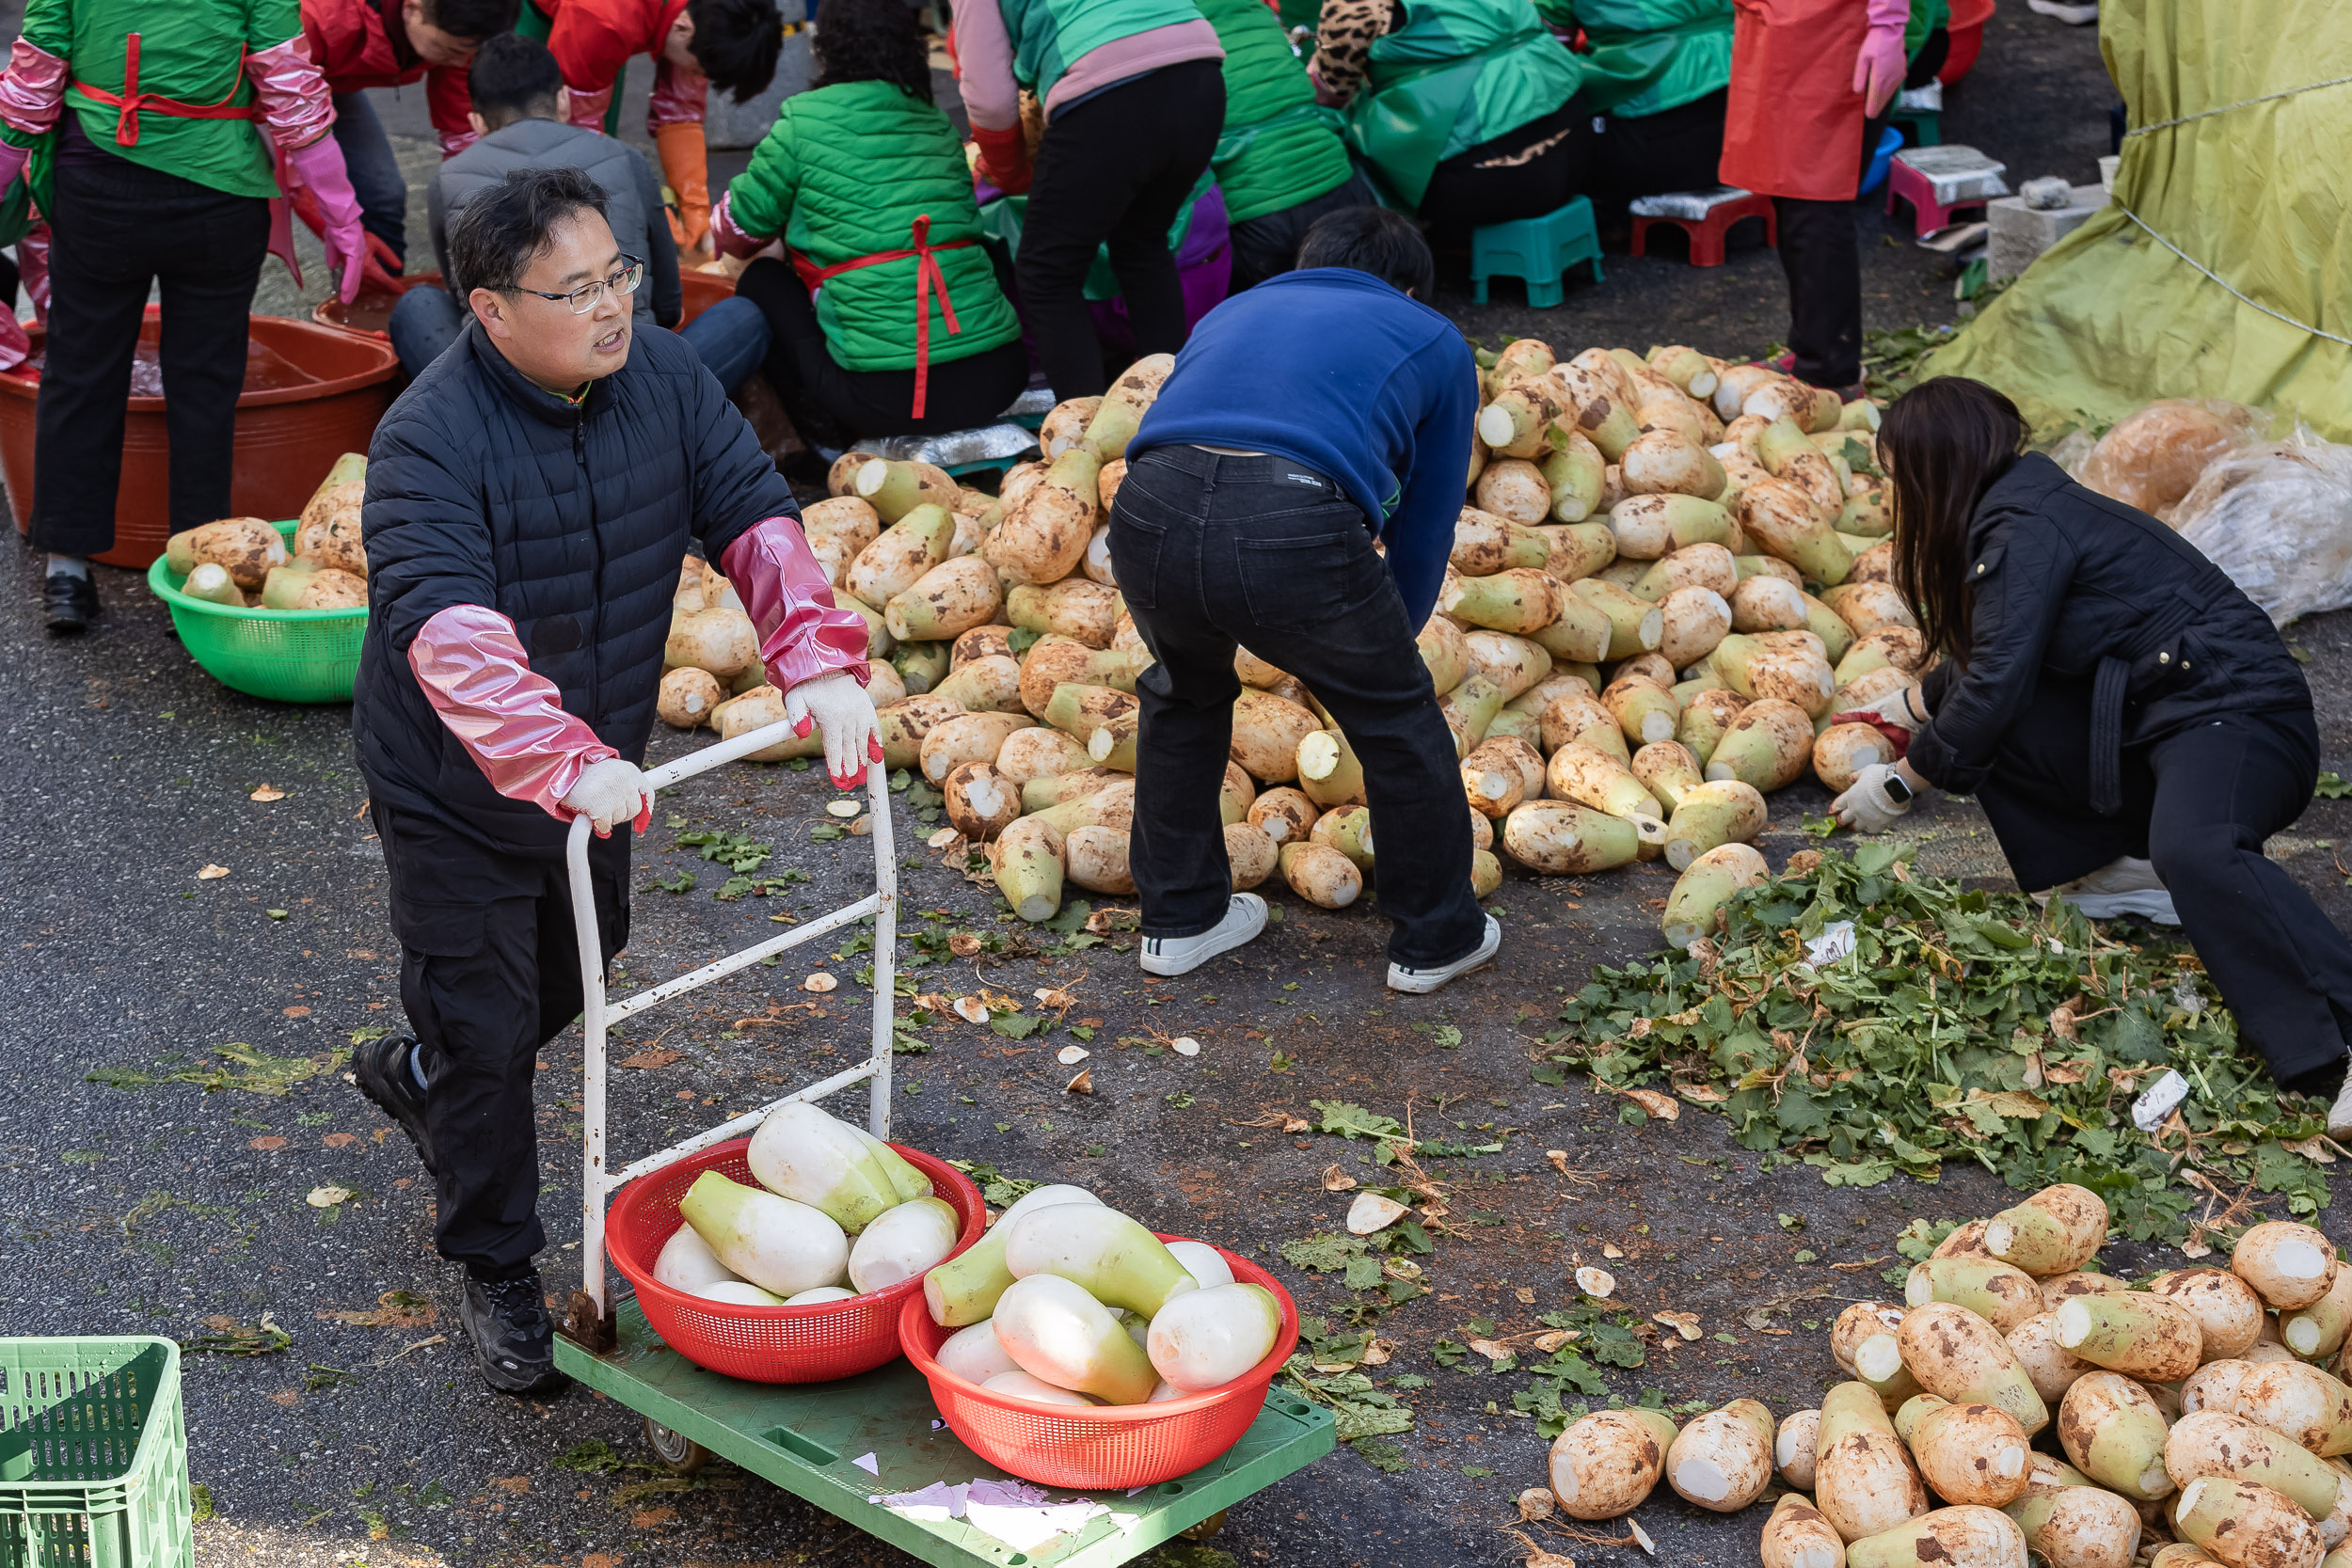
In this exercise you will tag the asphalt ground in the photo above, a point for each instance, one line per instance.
(179, 1110)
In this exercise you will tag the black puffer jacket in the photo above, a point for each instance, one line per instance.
(571, 521)
(2073, 586)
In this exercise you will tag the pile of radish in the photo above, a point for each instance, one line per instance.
(1066, 1302)
(243, 561)
(1649, 617)
(2192, 1410)
(837, 1214)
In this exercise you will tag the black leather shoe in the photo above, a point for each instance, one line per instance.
(513, 1342)
(69, 603)
(381, 1069)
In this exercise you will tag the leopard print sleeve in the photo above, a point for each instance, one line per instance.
(1344, 34)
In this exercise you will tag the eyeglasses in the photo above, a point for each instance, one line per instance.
(583, 300)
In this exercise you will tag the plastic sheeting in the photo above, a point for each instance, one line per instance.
(2249, 186)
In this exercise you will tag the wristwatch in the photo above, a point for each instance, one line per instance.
(1897, 791)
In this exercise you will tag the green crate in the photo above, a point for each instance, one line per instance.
(288, 655)
(93, 1454)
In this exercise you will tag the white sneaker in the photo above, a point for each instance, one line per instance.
(2073, 15)
(2340, 1114)
(1245, 917)
(2127, 886)
(1420, 982)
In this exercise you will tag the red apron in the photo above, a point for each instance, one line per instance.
(927, 278)
(1794, 123)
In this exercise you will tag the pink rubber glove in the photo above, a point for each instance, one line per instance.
(1880, 65)
(726, 238)
(14, 345)
(320, 166)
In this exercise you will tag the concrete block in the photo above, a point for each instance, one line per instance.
(728, 125)
(2020, 233)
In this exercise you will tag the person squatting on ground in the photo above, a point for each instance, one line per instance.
(863, 179)
(360, 44)
(1134, 103)
(1511, 138)
(518, 110)
(2130, 721)
(696, 45)
(529, 499)
(163, 173)
(1255, 491)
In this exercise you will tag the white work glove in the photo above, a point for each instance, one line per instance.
(838, 706)
(1900, 706)
(1869, 807)
(611, 793)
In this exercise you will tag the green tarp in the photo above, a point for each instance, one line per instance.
(2250, 188)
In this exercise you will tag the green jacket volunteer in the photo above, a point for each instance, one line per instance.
(862, 180)
(1467, 111)
(1658, 72)
(1283, 162)
(183, 116)
(1133, 104)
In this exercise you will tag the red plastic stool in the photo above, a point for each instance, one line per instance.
(1940, 180)
(1707, 233)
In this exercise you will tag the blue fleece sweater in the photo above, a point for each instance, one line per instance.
(1334, 369)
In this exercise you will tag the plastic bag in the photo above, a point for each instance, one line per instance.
(2278, 519)
(2153, 458)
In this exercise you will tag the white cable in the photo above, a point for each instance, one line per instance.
(2241, 104)
(2279, 315)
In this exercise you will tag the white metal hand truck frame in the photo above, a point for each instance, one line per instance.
(599, 1016)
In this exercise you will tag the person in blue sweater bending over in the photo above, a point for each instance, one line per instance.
(1321, 412)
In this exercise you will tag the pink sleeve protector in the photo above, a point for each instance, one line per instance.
(728, 237)
(679, 96)
(803, 632)
(295, 102)
(32, 89)
(474, 673)
(588, 107)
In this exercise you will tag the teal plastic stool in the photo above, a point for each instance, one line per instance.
(1538, 249)
(1926, 125)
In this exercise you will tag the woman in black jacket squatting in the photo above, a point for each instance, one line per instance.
(2129, 720)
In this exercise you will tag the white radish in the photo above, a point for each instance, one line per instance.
(964, 1289)
(820, 1295)
(1101, 1249)
(1021, 1386)
(1203, 1262)
(687, 1263)
(775, 1242)
(801, 1154)
(903, 1242)
(1206, 1338)
(974, 1353)
(1059, 1332)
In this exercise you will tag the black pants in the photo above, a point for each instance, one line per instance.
(1268, 245)
(1114, 172)
(489, 973)
(1212, 552)
(1819, 253)
(118, 228)
(2199, 804)
(1528, 171)
(1674, 149)
(832, 407)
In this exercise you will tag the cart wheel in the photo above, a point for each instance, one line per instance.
(1206, 1528)
(686, 1456)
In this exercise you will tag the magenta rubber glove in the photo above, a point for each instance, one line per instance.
(1880, 63)
(320, 166)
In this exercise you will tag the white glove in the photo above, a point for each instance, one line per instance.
(838, 706)
(1899, 706)
(1869, 807)
(609, 794)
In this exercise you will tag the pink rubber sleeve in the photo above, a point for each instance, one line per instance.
(1889, 13)
(295, 102)
(512, 722)
(803, 632)
(727, 236)
(32, 89)
(984, 65)
(679, 96)
(588, 107)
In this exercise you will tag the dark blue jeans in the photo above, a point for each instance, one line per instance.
(1214, 551)
(375, 177)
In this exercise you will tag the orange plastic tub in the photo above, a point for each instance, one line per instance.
(311, 393)
(373, 312)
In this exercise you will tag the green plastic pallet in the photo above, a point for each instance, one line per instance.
(804, 1438)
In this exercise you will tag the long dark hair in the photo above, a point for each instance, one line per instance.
(1943, 444)
(872, 40)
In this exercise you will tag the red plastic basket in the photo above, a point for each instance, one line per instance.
(1110, 1447)
(766, 1344)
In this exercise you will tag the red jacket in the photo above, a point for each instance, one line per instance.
(592, 40)
(356, 44)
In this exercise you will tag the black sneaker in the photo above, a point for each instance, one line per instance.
(381, 1071)
(513, 1342)
(69, 603)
